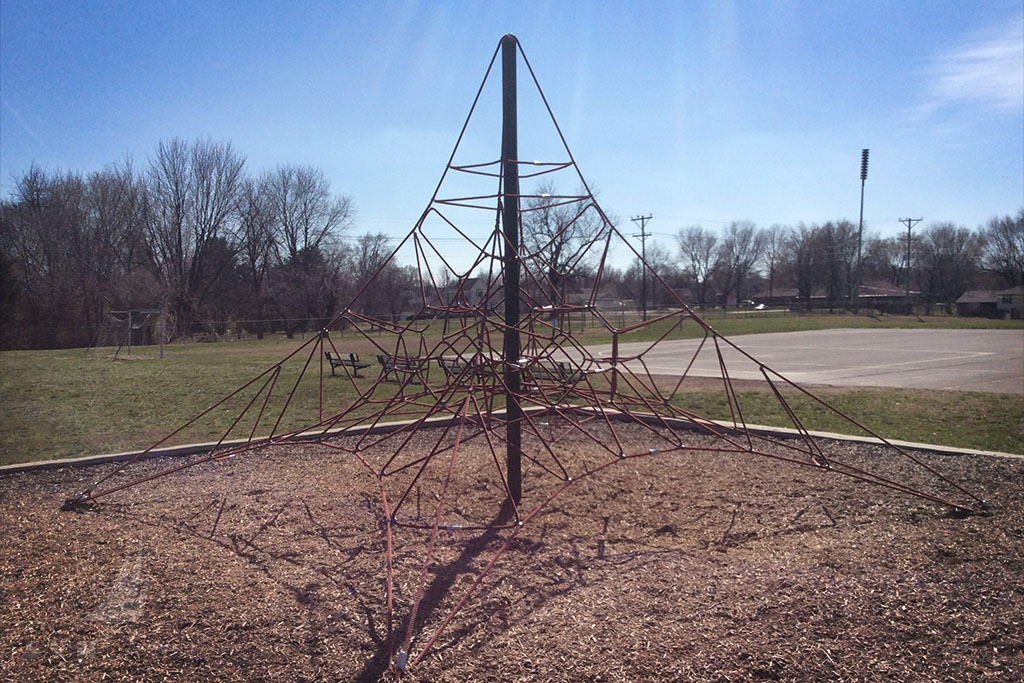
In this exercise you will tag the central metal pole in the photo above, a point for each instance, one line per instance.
(510, 224)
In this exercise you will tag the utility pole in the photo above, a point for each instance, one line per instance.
(855, 294)
(643, 259)
(909, 222)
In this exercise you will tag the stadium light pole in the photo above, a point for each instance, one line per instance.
(855, 294)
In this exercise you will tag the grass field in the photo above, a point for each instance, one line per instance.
(733, 323)
(949, 418)
(67, 403)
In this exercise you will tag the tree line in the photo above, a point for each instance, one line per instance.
(816, 261)
(938, 263)
(815, 264)
(192, 233)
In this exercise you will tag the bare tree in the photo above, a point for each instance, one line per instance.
(366, 260)
(949, 258)
(256, 245)
(308, 225)
(698, 249)
(10, 298)
(661, 268)
(307, 215)
(193, 192)
(664, 267)
(557, 236)
(114, 245)
(69, 244)
(836, 244)
(774, 239)
(886, 259)
(39, 235)
(738, 253)
(801, 248)
(393, 287)
(1003, 250)
(308, 289)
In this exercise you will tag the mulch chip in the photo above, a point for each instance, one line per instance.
(677, 567)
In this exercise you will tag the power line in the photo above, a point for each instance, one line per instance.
(643, 257)
(909, 222)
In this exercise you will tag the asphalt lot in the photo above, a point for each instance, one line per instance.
(962, 360)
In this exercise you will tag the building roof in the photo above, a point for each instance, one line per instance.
(778, 292)
(977, 296)
(884, 290)
(1012, 291)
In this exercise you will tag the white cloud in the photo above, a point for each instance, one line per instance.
(985, 71)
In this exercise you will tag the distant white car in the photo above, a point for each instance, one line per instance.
(760, 307)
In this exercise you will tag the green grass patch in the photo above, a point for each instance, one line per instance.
(737, 323)
(67, 403)
(962, 419)
(64, 403)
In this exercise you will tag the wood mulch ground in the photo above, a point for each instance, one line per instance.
(690, 566)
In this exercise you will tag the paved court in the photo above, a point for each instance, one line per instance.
(964, 360)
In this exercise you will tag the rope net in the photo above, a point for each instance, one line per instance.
(430, 397)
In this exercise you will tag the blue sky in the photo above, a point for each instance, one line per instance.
(695, 112)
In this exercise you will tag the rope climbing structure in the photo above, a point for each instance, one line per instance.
(508, 266)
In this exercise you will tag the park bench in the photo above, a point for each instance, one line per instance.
(352, 361)
(460, 366)
(392, 365)
(451, 366)
(551, 374)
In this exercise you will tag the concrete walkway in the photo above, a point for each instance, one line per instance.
(201, 448)
(962, 360)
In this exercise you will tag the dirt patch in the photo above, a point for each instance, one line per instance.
(693, 565)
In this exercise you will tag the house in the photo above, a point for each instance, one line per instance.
(1010, 302)
(977, 303)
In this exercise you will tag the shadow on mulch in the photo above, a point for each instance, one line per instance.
(693, 567)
